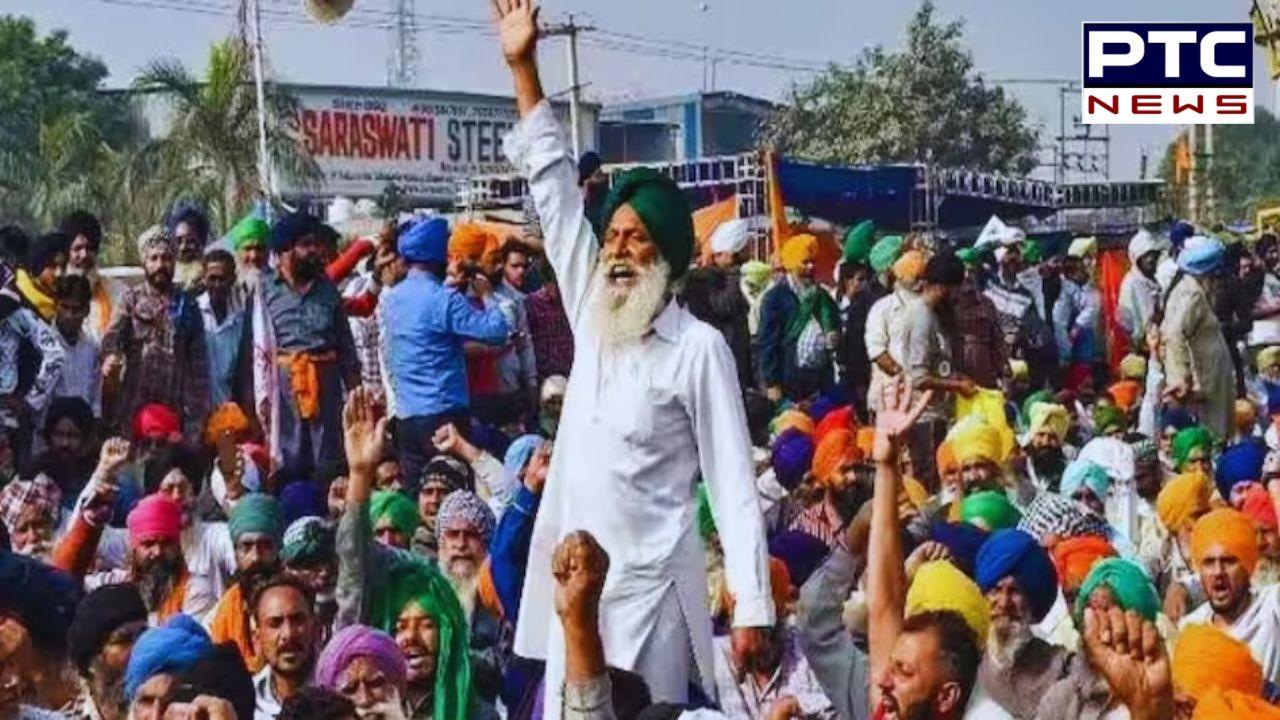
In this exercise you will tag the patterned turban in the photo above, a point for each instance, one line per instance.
(1052, 514)
(468, 510)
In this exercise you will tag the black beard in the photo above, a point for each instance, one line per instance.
(107, 690)
(160, 280)
(306, 270)
(156, 581)
(255, 576)
(1049, 460)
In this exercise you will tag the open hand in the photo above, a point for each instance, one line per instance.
(579, 566)
(364, 430)
(517, 29)
(1128, 653)
(896, 418)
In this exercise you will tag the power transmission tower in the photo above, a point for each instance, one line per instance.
(570, 30)
(402, 56)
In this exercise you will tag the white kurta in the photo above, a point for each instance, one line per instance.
(638, 426)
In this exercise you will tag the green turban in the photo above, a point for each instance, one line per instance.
(662, 208)
(1031, 252)
(250, 231)
(418, 582)
(307, 540)
(992, 508)
(970, 256)
(255, 513)
(857, 242)
(400, 509)
(1128, 584)
(885, 252)
(706, 521)
(1188, 439)
(1109, 417)
(756, 273)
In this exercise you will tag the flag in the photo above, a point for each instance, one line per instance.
(266, 377)
(707, 219)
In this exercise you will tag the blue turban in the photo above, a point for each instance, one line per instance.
(962, 540)
(41, 597)
(1085, 473)
(1273, 397)
(820, 407)
(792, 456)
(1201, 256)
(1176, 417)
(300, 499)
(424, 240)
(1239, 463)
(170, 649)
(801, 552)
(519, 452)
(1015, 553)
(289, 229)
(1179, 233)
(489, 439)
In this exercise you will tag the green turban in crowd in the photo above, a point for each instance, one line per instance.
(1129, 586)
(250, 231)
(970, 256)
(706, 521)
(662, 208)
(307, 540)
(756, 273)
(1031, 252)
(418, 582)
(1188, 439)
(857, 242)
(992, 508)
(398, 508)
(886, 252)
(255, 513)
(1109, 417)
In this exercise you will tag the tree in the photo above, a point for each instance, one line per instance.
(214, 133)
(922, 104)
(1244, 171)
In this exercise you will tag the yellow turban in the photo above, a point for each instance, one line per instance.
(1180, 498)
(910, 266)
(1133, 367)
(1269, 357)
(836, 449)
(1207, 658)
(1229, 528)
(1049, 417)
(788, 419)
(470, 241)
(939, 585)
(797, 250)
(973, 439)
(1019, 369)
(915, 493)
(228, 418)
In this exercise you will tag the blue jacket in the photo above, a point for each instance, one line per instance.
(777, 361)
(425, 325)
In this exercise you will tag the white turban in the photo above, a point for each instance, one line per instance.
(1144, 242)
(731, 236)
(997, 233)
(1080, 247)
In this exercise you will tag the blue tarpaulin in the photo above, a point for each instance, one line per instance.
(847, 194)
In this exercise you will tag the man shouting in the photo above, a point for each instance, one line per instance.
(653, 400)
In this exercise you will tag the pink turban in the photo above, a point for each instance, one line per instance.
(157, 422)
(360, 641)
(156, 517)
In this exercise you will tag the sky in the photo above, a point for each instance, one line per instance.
(1009, 39)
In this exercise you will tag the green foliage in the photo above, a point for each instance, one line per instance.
(924, 103)
(1245, 169)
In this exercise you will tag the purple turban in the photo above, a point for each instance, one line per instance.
(792, 456)
(358, 641)
(801, 552)
(1015, 553)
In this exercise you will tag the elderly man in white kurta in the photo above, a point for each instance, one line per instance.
(653, 401)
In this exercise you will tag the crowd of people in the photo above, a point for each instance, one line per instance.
(587, 470)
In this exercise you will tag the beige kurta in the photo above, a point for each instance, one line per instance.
(1196, 354)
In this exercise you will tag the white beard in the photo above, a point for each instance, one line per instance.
(623, 319)
(1004, 645)
(249, 277)
(467, 589)
(392, 709)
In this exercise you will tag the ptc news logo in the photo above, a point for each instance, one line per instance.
(1167, 73)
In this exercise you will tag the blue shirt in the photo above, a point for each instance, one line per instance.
(427, 325)
(222, 343)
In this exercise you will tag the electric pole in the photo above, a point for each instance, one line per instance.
(402, 58)
(252, 13)
(570, 30)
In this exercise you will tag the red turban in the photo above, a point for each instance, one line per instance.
(839, 419)
(1258, 505)
(156, 517)
(157, 422)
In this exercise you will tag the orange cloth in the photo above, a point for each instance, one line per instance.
(228, 418)
(1113, 265)
(1180, 498)
(1125, 393)
(707, 219)
(797, 419)
(837, 449)
(797, 250)
(488, 592)
(1230, 528)
(866, 440)
(779, 587)
(231, 624)
(304, 379)
(1075, 557)
(470, 241)
(1231, 705)
(172, 605)
(945, 458)
(779, 228)
(1207, 658)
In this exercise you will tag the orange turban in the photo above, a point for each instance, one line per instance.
(1180, 498)
(842, 418)
(797, 250)
(1207, 658)
(792, 419)
(1232, 530)
(1229, 705)
(228, 418)
(866, 440)
(1075, 557)
(910, 266)
(946, 458)
(837, 449)
(470, 241)
(779, 588)
(1125, 393)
